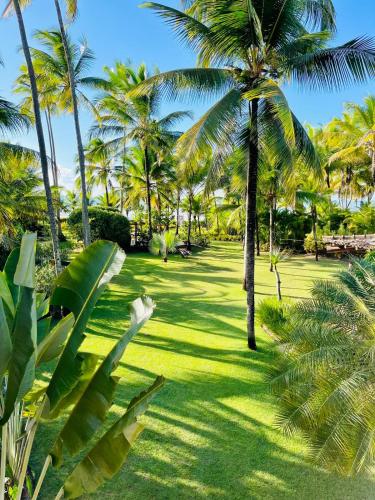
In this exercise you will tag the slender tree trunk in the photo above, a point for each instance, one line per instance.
(257, 234)
(199, 226)
(251, 206)
(122, 184)
(148, 189)
(278, 284)
(314, 217)
(190, 217)
(55, 173)
(81, 154)
(244, 281)
(178, 212)
(106, 193)
(271, 231)
(40, 135)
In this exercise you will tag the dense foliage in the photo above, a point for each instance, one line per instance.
(105, 225)
(325, 376)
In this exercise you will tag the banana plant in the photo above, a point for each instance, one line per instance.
(30, 338)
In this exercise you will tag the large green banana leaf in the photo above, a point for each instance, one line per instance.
(9, 272)
(21, 365)
(109, 454)
(6, 295)
(53, 343)
(5, 342)
(78, 289)
(91, 410)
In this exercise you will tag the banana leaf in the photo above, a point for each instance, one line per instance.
(21, 368)
(109, 454)
(25, 270)
(9, 272)
(53, 343)
(5, 342)
(91, 410)
(6, 295)
(78, 289)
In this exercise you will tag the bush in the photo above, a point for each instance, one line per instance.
(274, 315)
(309, 243)
(370, 256)
(44, 252)
(105, 225)
(44, 278)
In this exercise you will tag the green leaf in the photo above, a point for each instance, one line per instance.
(25, 270)
(91, 410)
(5, 342)
(42, 305)
(78, 289)
(9, 272)
(53, 343)
(108, 456)
(5, 294)
(21, 372)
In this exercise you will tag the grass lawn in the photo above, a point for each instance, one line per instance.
(210, 433)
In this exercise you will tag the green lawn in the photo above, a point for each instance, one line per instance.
(210, 433)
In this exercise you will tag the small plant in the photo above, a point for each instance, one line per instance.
(273, 316)
(278, 256)
(164, 244)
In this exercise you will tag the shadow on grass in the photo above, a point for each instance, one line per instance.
(209, 433)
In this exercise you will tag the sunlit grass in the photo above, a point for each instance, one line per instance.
(210, 433)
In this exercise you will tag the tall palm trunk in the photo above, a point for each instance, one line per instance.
(190, 219)
(251, 205)
(81, 154)
(40, 136)
(148, 189)
(314, 216)
(55, 174)
(271, 229)
(106, 193)
(178, 212)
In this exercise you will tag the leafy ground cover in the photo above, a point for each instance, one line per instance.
(210, 433)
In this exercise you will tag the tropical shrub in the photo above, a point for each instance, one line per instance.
(325, 377)
(45, 275)
(105, 225)
(363, 220)
(309, 243)
(78, 385)
(273, 314)
(44, 252)
(370, 255)
(164, 244)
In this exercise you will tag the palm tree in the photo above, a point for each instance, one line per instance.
(126, 120)
(278, 256)
(357, 128)
(325, 373)
(164, 244)
(260, 45)
(311, 195)
(39, 131)
(99, 166)
(72, 12)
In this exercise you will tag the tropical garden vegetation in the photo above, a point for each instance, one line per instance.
(245, 191)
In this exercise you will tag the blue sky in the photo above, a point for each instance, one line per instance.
(120, 30)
